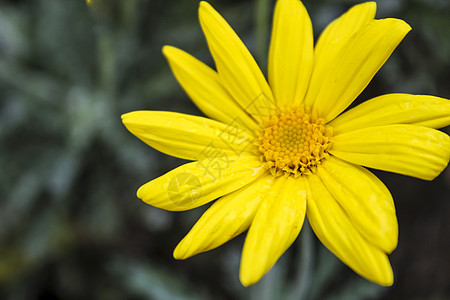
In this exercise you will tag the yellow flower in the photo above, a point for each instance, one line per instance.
(276, 151)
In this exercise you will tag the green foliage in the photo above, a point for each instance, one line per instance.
(70, 224)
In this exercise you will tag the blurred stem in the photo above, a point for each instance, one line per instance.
(128, 11)
(305, 271)
(107, 61)
(262, 31)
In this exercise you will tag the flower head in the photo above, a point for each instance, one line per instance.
(274, 152)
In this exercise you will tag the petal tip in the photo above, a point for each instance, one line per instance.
(204, 5)
(247, 279)
(140, 193)
(178, 252)
(399, 25)
(128, 118)
(250, 271)
(388, 280)
(369, 8)
(405, 26)
(167, 49)
(207, 13)
(124, 116)
(372, 7)
(370, 4)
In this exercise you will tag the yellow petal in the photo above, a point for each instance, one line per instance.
(291, 52)
(196, 183)
(237, 69)
(186, 136)
(276, 225)
(428, 111)
(338, 32)
(203, 86)
(335, 36)
(225, 219)
(365, 199)
(405, 149)
(335, 88)
(337, 232)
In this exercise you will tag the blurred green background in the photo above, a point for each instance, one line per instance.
(71, 226)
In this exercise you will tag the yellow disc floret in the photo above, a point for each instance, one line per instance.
(294, 141)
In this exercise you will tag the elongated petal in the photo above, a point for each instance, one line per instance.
(197, 183)
(337, 232)
(237, 69)
(405, 149)
(334, 38)
(291, 52)
(203, 86)
(275, 227)
(335, 88)
(225, 219)
(365, 199)
(186, 136)
(337, 34)
(428, 111)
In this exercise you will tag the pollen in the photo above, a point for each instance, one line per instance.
(294, 141)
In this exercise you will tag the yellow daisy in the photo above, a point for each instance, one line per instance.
(276, 151)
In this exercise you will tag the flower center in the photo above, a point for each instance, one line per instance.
(294, 141)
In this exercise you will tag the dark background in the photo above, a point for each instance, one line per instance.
(71, 226)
